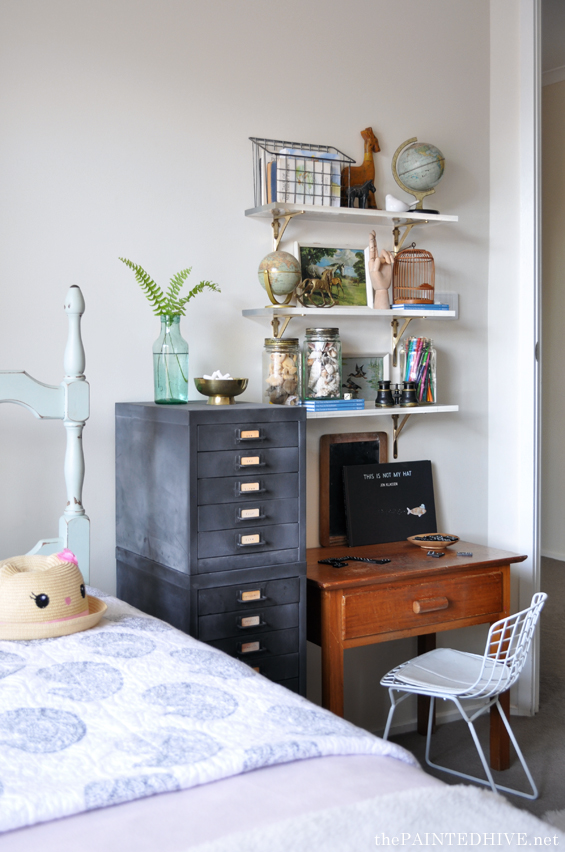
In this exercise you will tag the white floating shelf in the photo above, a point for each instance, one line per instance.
(345, 312)
(348, 215)
(371, 411)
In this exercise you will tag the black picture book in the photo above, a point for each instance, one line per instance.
(388, 502)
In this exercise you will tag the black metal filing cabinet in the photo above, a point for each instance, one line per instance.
(211, 526)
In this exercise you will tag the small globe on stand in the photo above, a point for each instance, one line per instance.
(279, 274)
(418, 167)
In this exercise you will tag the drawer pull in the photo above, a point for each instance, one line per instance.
(247, 621)
(250, 540)
(252, 595)
(250, 648)
(250, 461)
(245, 487)
(249, 435)
(256, 669)
(430, 605)
(247, 514)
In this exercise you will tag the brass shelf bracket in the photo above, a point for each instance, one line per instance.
(278, 328)
(396, 430)
(398, 238)
(397, 337)
(279, 230)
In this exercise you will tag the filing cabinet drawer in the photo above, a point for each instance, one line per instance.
(255, 646)
(247, 596)
(227, 489)
(239, 517)
(226, 624)
(234, 436)
(245, 461)
(247, 540)
(292, 684)
(282, 669)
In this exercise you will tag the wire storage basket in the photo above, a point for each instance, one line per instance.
(413, 277)
(298, 173)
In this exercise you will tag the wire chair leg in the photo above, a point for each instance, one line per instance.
(496, 788)
(534, 793)
(490, 782)
(390, 714)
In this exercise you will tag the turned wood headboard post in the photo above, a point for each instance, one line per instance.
(69, 402)
(74, 524)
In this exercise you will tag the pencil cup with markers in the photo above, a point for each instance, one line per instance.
(418, 365)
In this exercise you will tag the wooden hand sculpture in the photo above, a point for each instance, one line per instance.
(380, 273)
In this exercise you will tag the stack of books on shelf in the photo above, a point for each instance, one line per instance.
(334, 404)
(304, 177)
(438, 306)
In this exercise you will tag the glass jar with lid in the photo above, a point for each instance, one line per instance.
(281, 371)
(418, 365)
(321, 364)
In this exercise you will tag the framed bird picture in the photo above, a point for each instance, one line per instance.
(361, 374)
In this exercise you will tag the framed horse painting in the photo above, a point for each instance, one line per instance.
(332, 276)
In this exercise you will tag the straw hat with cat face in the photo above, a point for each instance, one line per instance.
(44, 596)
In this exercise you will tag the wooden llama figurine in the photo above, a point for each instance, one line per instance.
(357, 175)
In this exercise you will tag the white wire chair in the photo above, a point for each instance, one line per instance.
(459, 676)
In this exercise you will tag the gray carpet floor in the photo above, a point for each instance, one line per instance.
(541, 738)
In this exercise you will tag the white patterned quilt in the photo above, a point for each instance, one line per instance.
(134, 707)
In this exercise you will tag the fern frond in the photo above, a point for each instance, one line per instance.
(176, 283)
(152, 290)
(209, 285)
(169, 302)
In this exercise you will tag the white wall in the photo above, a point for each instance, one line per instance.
(125, 132)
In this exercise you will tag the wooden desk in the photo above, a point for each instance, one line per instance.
(365, 603)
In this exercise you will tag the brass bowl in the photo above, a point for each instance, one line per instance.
(433, 545)
(221, 391)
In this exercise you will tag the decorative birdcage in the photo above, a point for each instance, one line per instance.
(297, 173)
(413, 277)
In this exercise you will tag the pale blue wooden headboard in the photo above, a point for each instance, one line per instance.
(69, 402)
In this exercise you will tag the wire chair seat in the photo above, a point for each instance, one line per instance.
(449, 672)
(460, 676)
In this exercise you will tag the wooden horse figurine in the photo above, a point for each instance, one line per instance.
(357, 175)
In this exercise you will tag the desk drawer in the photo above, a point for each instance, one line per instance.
(257, 514)
(246, 461)
(390, 608)
(228, 489)
(249, 539)
(256, 646)
(240, 624)
(231, 436)
(247, 596)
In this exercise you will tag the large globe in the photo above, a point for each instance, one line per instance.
(283, 270)
(420, 166)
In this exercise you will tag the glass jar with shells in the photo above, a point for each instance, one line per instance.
(281, 371)
(322, 364)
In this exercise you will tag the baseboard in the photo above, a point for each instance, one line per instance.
(553, 554)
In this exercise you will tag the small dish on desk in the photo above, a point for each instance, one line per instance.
(433, 541)
(220, 391)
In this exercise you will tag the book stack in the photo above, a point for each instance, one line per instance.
(334, 404)
(298, 176)
(435, 307)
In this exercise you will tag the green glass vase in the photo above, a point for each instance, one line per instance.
(170, 363)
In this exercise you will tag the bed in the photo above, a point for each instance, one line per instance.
(138, 737)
